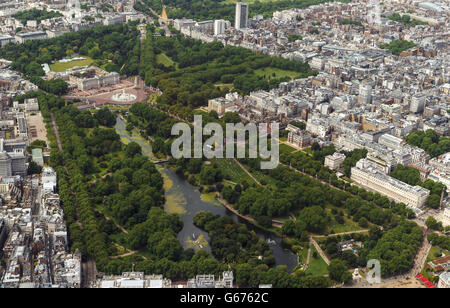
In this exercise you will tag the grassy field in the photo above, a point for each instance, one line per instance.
(303, 255)
(284, 148)
(224, 85)
(152, 98)
(61, 67)
(433, 251)
(232, 171)
(271, 72)
(115, 107)
(210, 198)
(348, 225)
(263, 178)
(164, 60)
(317, 267)
(431, 257)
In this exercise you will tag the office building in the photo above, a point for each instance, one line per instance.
(219, 27)
(391, 142)
(37, 156)
(30, 36)
(12, 163)
(241, 21)
(365, 94)
(334, 161)
(300, 139)
(369, 175)
(417, 104)
(444, 281)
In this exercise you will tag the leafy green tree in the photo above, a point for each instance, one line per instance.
(338, 271)
(132, 149)
(433, 224)
(33, 168)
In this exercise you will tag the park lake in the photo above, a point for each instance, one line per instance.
(186, 200)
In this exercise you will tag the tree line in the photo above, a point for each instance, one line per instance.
(35, 14)
(220, 9)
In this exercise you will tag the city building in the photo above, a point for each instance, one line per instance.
(209, 281)
(241, 20)
(334, 161)
(444, 281)
(417, 104)
(365, 94)
(133, 280)
(12, 163)
(3, 232)
(369, 175)
(391, 142)
(299, 139)
(219, 105)
(87, 78)
(6, 39)
(49, 179)
(219, 27)
(37, 156)
(30, 36)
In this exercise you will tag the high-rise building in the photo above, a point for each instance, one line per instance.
(12, 163)
(241, 21)
(73, 9)
(5, 164)
(417, 104)
(219, 27)
(374, 12)
(365, 94)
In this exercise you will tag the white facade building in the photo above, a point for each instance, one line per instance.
(219, 27)
(334, 161)
(368, 174)
(444, 281)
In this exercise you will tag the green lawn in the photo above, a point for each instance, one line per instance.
(284, 148)
(308, 150)
(431, 257)
(269, 72)
(231, 171)
(115, 107)
(152, 98)
(61, 67)
(433, 251)
(317, 267)
(348, 225)
(224, 85)
(263, 178)
(163, 59)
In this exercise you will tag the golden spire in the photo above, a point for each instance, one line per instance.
(163, 13)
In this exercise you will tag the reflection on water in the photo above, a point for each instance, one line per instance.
(184, 199)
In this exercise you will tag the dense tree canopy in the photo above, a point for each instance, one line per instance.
(219, 9)
(35, 14)
(397, 247)
(397, 46)
(199, 67)
(430, 142)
